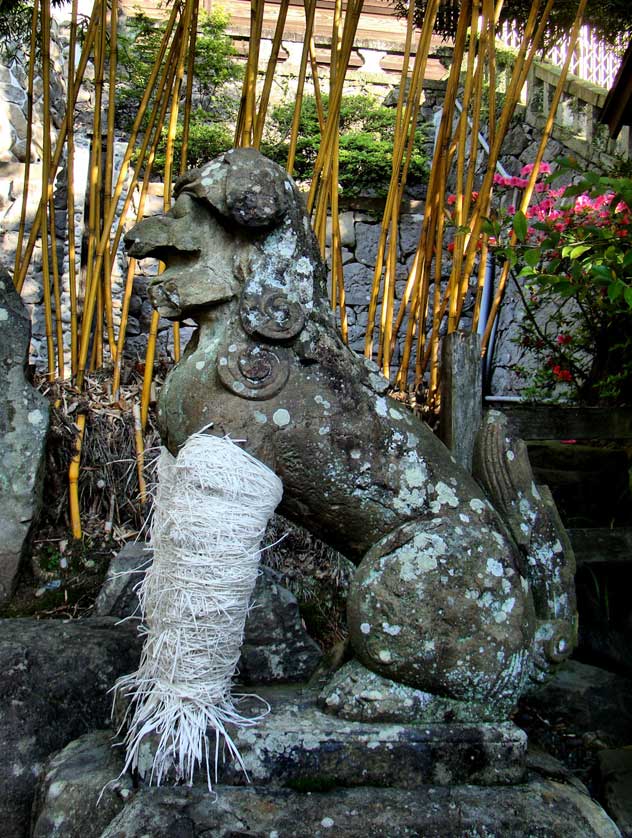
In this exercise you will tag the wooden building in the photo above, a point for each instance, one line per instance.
(379, 43)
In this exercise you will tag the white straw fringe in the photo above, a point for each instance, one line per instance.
(212, 507)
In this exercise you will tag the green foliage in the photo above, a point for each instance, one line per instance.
(573, 267)
(214, 53)
(139, 45)
(15, 25)
(207, 139)
(610, 18)
(366, 143)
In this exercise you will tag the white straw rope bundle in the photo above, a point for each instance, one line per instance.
(212, 506)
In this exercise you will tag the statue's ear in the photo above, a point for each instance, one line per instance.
(271, 312)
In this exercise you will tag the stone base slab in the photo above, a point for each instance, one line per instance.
(67, 807)
(298, 746)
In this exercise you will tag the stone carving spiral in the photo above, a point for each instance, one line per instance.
(253, 370)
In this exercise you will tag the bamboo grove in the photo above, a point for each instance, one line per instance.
(413, 324)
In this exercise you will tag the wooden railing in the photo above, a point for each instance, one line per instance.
(577, 120)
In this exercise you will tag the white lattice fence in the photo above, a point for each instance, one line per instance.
(594, 60)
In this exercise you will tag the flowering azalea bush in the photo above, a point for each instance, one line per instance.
(571, 259)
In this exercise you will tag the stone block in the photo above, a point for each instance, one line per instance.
(24, 421)
(615, 769)
(298, 746)
(367, 238)
(358, 282)
(72, 783)
(586, 699)
(347, 230)
(55, 684)
(409, 230)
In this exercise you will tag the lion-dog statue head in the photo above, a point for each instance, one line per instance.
(441, 599)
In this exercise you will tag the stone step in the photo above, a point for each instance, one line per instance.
(85, 772)
(298, 746)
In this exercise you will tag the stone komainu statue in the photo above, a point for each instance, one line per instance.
(448, 597)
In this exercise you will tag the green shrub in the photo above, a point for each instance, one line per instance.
(366, 143)
(207, 139)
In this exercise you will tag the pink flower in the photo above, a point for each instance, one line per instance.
(564, 340)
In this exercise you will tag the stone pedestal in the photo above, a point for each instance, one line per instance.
(313, 775)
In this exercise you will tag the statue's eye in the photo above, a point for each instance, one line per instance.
(182, 206)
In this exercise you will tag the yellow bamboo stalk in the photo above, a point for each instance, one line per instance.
(175, 104)
(460, 206)
(59, 328)
(94, 276)
(406, 121)
(322, 165)
(491, 16)
(247, 111)
(188, 99)
(421, 360)
(336, 44)
(73, 479)
(323, 184)
(61, 138)
(127, 293)
(525, 57)
(150, 357)
(185, 135)
(486, 57)
(140, 453)
(529, 189)
(96, 358)
(528, 48)
(336, 247)
(168, 72)
(418, 281)
(45, 53)
(393, 188)
(70, 189)
(318, 98)
(269, 76)
(171, 133)
(153, 129)
(310, 11)
(323, 160)
(131, 268)
(108, 168)
(29, 137)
